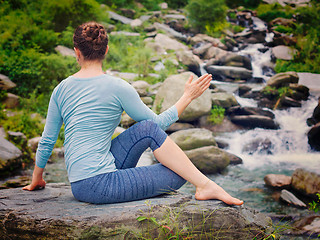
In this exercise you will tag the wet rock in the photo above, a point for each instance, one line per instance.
(243, 89)
(65, 51)
(283, 22)
(171, 32)
(223, 72)
(255, 121)
(119, 18)
(299, 92)
(170, 92)
(282, 39)
(283, 79)
(179, 126)
(315, 118)
(193, 138)
(225, 100)
(288, 197)
(306, 182)
(237, 110)
(314, 137)
(11, 101)
(168, 43)
(10, 157)
(141, 87)
(209, 159)
(309, 226)
(261, 146)
(225, 126)
(289, 102)
(53, 213)
(6, 83)
(33, 143)
(277, 180)
(283, 52)
(187, 58)
(16, 182)
(235, 60)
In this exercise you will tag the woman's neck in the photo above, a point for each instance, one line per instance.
(89, 69)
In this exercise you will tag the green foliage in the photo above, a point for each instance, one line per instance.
(284, 29)
(3, 95)
(176, 3)
(217, 114)
(244, 3)
(207, 15)
(268, 12)
(315, 205)
(23, 122)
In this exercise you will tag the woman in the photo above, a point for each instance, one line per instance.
(90, 104)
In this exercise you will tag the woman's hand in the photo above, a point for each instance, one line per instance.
(37, 180)
(192, 90)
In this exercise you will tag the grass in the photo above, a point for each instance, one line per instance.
(217, 114)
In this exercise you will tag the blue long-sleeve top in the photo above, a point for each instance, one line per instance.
(91, 109)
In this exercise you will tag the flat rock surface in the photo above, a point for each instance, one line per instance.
(53, 213)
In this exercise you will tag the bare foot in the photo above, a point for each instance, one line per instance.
(212, 191)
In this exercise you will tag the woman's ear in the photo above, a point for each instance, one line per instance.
(107, 49)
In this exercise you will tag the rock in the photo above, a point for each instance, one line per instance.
(128, 12)
(141, 87)
(277, 180)
(283, 79)
(237, 110)
(299, 92)
(235, 60)
(179, 17)
(163, 5)
(187, 58)
(315, 118)
(128, 34)
(255, 121)
(3, 133)
(156, 47)
(119, 18)
(33, 143)
(243, 89)
(209, 159)
(6, 83)
(11, 101)
(202, 49)
(225, 100)
(223, 72)
(147, 100)
(16, 182)
(283, 52)
(168, 43)
(179, 126)
(9, 157)
(199, 38)
(126, 121)
(171, 32)
(288, 197)
(65, 51)
(308, 225)
(214, 52)
(53, 213)
(193, 138)
(136, 23)
(306, 182)
(159, 66)
(283, 22)
(292, 3)
(234, 159)
(282, 39)
(170, 92)
(289, 102)
(57, 153)
(259, 145)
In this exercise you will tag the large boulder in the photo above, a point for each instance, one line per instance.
(168, 43)
(306, 182)
(277, 180)
(209, 159)
(314, 137)
(283, 79)
(187, 58)
(223, 72)
(119, 18)
(199, 38)
(10, 157)
(171, 32)
(6, 83)
(11, 101)
(255, 121)
(170, 92)
(283, 52)
(65, 51)
(223, 99)
(193, 138)
(53, 213)
(141, 87)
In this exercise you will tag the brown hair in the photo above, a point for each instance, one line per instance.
(92, 40)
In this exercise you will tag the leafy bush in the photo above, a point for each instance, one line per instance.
(268, 12)
(176, 3)
(206, 15)
(217, 114)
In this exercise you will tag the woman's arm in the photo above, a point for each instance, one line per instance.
(37, 180)
(137, 110)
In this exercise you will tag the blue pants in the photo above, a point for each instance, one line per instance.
(130, 183)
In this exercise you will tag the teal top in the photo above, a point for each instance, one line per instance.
(91, 109)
